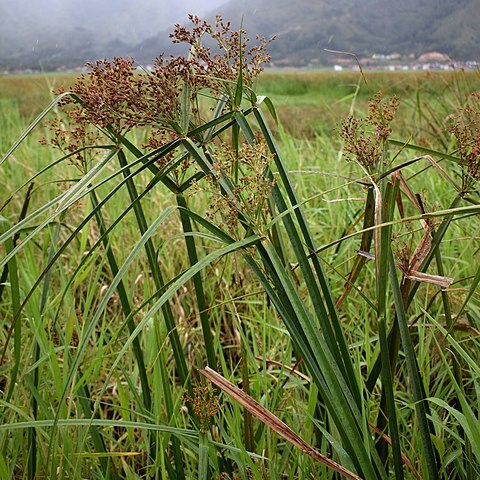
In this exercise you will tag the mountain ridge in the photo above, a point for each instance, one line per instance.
(304, 29)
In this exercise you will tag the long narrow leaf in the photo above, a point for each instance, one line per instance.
(198, 282)
(414, 374)
(32, 126)
(334, 337)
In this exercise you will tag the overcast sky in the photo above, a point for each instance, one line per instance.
(138, 19)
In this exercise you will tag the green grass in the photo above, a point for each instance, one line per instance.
(312, 103)
(121, 286)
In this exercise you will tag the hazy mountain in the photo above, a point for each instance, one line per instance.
(59, 32)
(304, 28)
(71, 32)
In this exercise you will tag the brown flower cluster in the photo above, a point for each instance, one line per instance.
(73, 135)
(382, 114)
(205, 404)
(116, 98)
(465, 126)
(222, 53)
(247, 171)
(365, 137)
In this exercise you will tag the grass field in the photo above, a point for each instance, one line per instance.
(123, 279)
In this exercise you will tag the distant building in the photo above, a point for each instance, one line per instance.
(433, 57)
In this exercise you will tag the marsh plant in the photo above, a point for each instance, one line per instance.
(166, 249)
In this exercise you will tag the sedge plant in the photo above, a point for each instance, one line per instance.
(176, 182)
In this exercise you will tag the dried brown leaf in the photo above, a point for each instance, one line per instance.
(422, 250)
(273, 421)
(438, 280)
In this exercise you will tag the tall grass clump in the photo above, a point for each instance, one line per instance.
(168, 311)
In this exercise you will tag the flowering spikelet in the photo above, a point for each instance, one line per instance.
(73, 135)
(465, 126)
(363, 143)
(205, 404)
(232, 53)
(247, 170)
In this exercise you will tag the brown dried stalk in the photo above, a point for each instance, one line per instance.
(273, 421)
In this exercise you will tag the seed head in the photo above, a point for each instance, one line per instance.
(248, 172)
(365, 138)
(465, 126)
(205, 404)
(116, 98)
